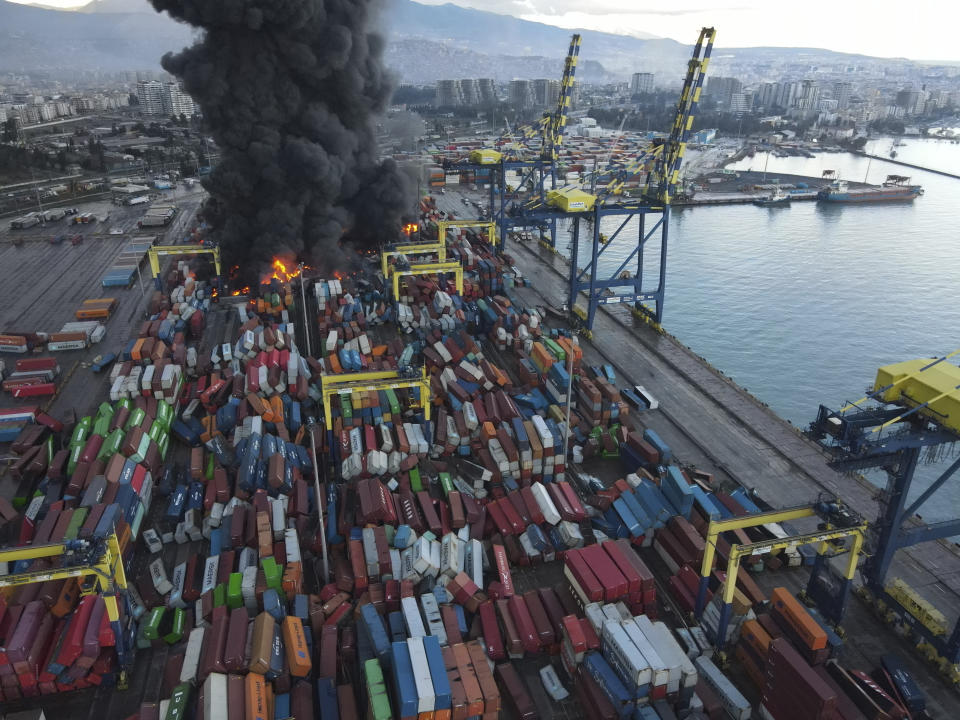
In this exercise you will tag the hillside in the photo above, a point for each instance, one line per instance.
(40, 39)
(426, 43)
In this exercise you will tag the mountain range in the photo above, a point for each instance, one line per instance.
(426, 43)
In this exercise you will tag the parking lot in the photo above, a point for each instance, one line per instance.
(45, 283)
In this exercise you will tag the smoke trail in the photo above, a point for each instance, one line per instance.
(289, 89)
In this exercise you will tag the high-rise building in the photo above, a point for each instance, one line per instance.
(521, 95)
(787, 94)
(721, 89)
(841, 93)
(741, 102)
(176, 101)
(544, 92)
(448, 93)
(808, 96)
(766, 95)
(487, 90)
(468, 93)
(641, 83)
(150, 94)
(911, 100)
(163, 98)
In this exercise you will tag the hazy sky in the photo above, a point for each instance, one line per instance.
(917, 29)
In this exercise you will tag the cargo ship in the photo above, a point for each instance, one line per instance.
(895, 188)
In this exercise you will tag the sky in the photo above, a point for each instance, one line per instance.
(915, 29)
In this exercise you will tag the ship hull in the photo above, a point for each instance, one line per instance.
(868, 197)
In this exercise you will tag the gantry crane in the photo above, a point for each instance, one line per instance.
(913, 406)
(839, 522)
(662, 163)
(97, 563)
(535, 170)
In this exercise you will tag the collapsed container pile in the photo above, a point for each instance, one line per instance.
(471, 570)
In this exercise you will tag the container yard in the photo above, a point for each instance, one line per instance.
(164, 555)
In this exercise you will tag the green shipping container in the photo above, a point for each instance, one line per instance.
(235, 591)
(151, 625)
(136, 418)
(76, 522)
(272, 573)
(179, 700)
(111, 446)
(176, 627)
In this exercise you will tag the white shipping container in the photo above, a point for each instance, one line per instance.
(688, 671)
(158, 574)
(421, 676)
(621, 652)
(411, 617)
(732, 699)
(547, 508)
(292, 545)
(191, 658)
(215, 697)
(669, 652)
(248, 589)
(176, 595)
(660, 676)
(210, 571)
(434, 622)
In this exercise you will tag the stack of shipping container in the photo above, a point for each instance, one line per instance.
(464, 555)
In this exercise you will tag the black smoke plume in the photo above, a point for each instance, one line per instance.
(289, 90)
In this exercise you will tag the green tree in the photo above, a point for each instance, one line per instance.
(133, 100)
(62, 160)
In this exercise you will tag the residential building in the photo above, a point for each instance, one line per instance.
(448, 93)
(521, 95)
(469, 94)
(150, 95)
(178, 102)
(841, 93)
(486, 90)
(641, 83)
(158, 98)
(545, 92)
(741, 102)
(721, 89)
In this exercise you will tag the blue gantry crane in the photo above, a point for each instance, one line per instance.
(661, 162)
(532, 152)
(911, 413)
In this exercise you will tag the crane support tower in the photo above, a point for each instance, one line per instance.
(97, 564)
(913, 408)
(838, 523)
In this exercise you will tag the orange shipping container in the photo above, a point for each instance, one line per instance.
(295, 642)
(137, 352)
(790, 609)
(255, 696)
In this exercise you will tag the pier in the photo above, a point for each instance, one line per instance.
(909, 165)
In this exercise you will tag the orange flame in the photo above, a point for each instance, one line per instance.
(410, 228)
(281, 273)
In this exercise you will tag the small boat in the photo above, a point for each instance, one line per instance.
(777, 198)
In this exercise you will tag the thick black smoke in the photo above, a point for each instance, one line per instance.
(289, 90)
